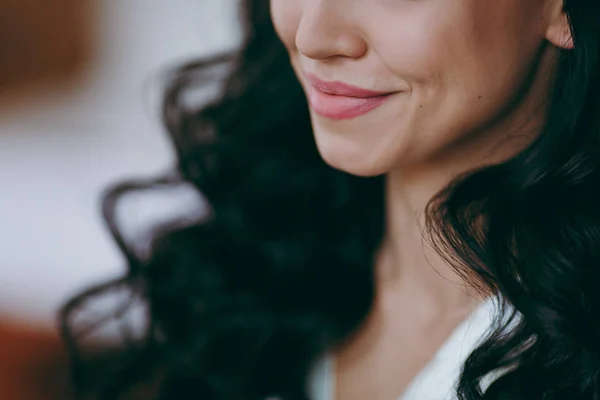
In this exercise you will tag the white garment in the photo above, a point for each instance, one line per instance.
(437, 381)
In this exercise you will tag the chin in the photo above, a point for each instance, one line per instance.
(352, 154)
(358, 163)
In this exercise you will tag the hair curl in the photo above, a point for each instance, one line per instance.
(242, 303)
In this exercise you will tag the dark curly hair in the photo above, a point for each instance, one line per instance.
(241, 302)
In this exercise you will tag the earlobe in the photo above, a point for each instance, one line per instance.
(559, 31)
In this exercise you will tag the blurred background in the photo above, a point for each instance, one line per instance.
(80, 87)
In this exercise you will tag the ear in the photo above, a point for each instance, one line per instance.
(559, 30)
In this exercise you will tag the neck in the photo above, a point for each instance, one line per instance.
(406, 261)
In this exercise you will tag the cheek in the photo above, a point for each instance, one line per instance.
(452, 67)
(412, 43)
(460, 80)
(286, 16)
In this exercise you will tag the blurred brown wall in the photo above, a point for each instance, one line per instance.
(33, 364)
(43, 41)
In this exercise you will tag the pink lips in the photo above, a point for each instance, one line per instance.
(337, 100)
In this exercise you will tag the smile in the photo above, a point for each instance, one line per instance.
(342, 107)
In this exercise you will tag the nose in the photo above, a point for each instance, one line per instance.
(326, 30)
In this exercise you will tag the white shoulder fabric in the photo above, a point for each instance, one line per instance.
(437, 381)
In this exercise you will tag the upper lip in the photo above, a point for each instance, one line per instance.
(341, 89)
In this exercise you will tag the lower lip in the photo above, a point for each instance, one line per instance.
(343, 107)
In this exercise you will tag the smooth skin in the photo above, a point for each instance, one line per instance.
(471, 79)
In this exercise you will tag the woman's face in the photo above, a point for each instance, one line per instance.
(457, 71)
